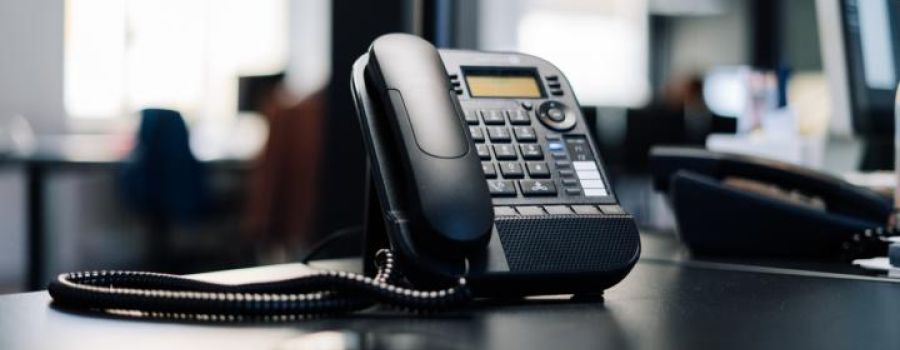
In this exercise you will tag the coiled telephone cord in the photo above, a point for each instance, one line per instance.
(147, 294)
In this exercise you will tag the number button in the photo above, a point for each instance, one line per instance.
(518, 117)
(538, 169)
(489, 170)
(511, 169)
(537, 187)
(499, 134)
(484, 152)
(505, 152)
(492, 117)
(471, 117)
(531, 151)
(524, 133)
(502, 188)
(477, 133)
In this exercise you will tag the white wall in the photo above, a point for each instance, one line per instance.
(31, 73)
(31, 62)
(309, 64)
(699, 43)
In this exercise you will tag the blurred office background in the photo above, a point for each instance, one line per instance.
(272, 160)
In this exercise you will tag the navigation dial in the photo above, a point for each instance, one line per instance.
(556, 115)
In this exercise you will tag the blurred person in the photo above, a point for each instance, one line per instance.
(280, 212)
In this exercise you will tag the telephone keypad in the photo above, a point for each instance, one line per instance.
(508, 136)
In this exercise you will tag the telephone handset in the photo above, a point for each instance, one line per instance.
(449, 212)
(485, 189)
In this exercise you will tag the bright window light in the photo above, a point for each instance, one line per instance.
(601, 46)
(124, 55)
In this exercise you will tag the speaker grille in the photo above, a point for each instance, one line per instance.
(568, 243)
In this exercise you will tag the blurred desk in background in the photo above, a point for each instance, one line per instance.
(78, 153)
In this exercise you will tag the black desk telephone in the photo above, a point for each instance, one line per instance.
(484, 182)
(735, 205)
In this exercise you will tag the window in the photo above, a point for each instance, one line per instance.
(124, 55)
(601, 46)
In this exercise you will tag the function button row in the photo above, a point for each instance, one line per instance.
(529, 188)
(526, 210)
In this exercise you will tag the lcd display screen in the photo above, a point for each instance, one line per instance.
(503, 84)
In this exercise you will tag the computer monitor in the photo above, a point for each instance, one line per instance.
(860, 42)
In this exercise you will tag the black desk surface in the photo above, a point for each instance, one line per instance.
(664, 303)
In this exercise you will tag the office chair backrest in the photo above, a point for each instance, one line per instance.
(161, 178)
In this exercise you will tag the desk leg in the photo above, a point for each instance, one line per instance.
(34, 176)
